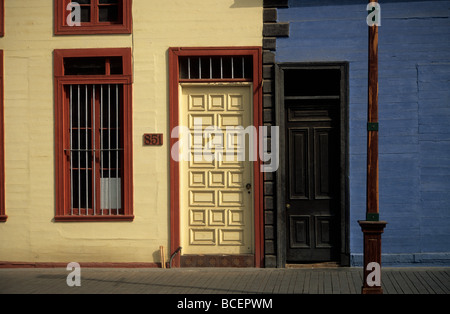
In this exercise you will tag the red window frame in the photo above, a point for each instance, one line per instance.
(3, 216)
(94, 26)
(2, 18)
(62, 138)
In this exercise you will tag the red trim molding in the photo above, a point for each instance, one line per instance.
(3, 216)
(93, 27)
(60, 54)
(61, 124)
(174, 54)
(2, 18)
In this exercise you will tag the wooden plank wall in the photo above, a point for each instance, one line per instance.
(414, 114)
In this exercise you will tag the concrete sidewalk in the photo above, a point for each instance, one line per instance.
(338, 280)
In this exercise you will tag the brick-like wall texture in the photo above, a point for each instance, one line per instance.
(271, 31)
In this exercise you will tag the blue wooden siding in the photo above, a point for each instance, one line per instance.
(414, 114)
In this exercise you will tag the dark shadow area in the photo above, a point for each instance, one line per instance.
(318, 3)
(247, 4)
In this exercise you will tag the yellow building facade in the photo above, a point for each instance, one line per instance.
(30, 233)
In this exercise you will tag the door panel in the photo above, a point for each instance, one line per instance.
(298, 157)
(216, 198)
(299, 231)
(322, 162)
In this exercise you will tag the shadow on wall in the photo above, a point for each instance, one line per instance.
(318, 3)
(247, 4)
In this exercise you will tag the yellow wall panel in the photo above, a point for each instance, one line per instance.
(30, 235)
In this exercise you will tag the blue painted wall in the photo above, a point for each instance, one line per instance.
(414, 114)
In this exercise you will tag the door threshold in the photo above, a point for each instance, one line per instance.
(217, 260)
(314, 265)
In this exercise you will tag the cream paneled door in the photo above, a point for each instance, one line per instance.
(216, 194)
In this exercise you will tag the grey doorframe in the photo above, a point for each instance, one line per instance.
(344, 156)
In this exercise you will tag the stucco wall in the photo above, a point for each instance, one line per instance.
(30, 234)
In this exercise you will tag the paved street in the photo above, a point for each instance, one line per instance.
(221, 281)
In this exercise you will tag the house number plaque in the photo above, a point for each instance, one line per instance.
(153, 139)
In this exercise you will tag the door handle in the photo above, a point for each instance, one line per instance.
(288, 205)
(248, 187)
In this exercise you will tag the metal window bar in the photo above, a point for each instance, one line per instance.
(232, 67)
(210, 68)
(101, 141)
(86, 147)
(79, 153)
(94, 203)
(189, 68)
(117, 152)
(109, 146)
(71, 145)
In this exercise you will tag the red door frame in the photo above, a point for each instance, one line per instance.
(3, 215)
(174, 54)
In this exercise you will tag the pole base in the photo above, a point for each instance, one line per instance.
(372, 231)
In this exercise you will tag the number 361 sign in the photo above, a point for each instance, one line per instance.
(153, 139)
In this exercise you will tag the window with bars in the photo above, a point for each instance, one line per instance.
(94, 148)
(95, 16)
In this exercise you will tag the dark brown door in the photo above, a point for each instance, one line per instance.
(312, 174)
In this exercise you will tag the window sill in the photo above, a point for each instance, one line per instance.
(92, 30)
(94, 218)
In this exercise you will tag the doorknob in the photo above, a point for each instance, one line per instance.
(248, 186)
(288, 206)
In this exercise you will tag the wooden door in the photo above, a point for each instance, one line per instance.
(312, 191)
(216, 194)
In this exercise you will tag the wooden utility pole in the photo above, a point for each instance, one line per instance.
(372, 127)
(372, 227)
